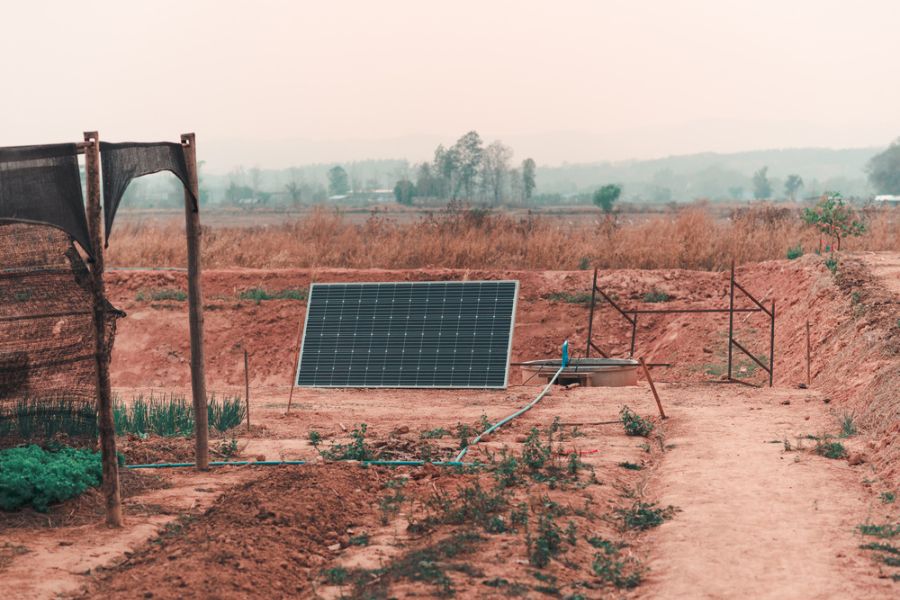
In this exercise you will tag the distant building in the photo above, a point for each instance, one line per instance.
(887, 200)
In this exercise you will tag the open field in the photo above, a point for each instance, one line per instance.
(693, 237)
(755, 511)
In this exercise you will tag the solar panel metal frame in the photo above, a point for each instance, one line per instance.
(512, 326)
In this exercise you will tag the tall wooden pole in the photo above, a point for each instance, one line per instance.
(772, 347)
(730, 318)
(195, 303)
(590, 331)
(808, 353)
(247, 387)
(107, 428)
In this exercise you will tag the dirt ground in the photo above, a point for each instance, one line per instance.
(758, 513)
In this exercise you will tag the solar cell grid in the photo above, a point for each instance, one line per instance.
(418, 334)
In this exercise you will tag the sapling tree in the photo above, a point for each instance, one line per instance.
(606, 197)
(834, 218)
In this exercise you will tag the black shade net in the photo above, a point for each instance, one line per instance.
(48, 371)
(129, 160)
(42, 184)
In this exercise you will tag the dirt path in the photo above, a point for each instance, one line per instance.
(757, 521)
(886, 267)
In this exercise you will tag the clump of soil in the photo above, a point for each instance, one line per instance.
(156, 449)
(262, 538)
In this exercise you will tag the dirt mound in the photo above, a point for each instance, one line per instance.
(263, 538)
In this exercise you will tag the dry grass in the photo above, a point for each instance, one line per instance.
(691, 238)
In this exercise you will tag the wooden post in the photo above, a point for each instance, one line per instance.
(195, 304)
(294, 370)
(772, 347)
(247, 386)
(590, 331)
(808, 355)
(107, 428)
(731, 319)
(652, 388)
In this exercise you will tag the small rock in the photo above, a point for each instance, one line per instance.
(521, 439)
(334, 547)
(260, 457)
(856, 458)
(400, 430)
(707, 350)
(802, 386)
(785, 402)
(826, 400)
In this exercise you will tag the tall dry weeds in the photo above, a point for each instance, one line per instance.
(690, 238)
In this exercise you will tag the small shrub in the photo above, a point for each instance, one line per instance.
(634, 424)
(655, 296)
(631, 466)
(644, 515)
(547, 544)
(624, 573)
(32, 476)
(535, 454)
(228, 448)
(357, 449)
(848, 426)
(335, 575)
(167, 294)
(570, 297)
(434, 434)
(887, 497)
(258, 294)
(795, 252)
(833, 450)
(882, 531)
(360, 540)
(831, 264)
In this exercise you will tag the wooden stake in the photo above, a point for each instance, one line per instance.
(808, 356)
(195, 304)
(111, 491)
(652, 388)
(247, 386)
(294, 371)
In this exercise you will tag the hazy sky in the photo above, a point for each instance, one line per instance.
(274, 83)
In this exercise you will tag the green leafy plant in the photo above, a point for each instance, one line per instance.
(848, 426)
(624, 573)
(831, 263)
(829, 449)
(834, 218)
(259, 294)
(357, 449)
(795, 252)
(33, 476)
(546, 544)
(644, 515)
(634, 424)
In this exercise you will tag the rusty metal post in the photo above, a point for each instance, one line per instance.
(111, 492)
(731, 318)
(590, 331)
(772, 347)
(195, 304)
(633, 333)
(652, 388)
(247, 386)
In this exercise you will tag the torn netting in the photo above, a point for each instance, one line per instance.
(42, 184)
(48, 370)
(129, 160)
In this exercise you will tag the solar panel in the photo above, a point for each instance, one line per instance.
(440, 334)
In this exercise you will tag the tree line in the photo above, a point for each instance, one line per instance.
(467, 170)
